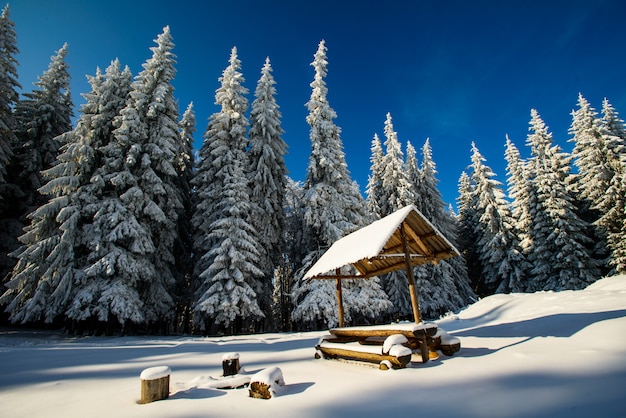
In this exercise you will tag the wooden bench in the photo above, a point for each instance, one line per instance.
(353, 342)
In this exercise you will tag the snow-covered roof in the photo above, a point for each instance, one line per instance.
(378, 248)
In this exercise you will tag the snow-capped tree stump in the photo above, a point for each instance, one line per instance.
(265, 383)
(155, 384)
(230, 364)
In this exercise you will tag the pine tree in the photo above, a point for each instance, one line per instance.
(502, 264)
(149, 124)
(443, 287)
(49, 268)
(225, 244)
(10, 225)
(375, 181)
(267, 181)
(8, 95)
(613, 206)
(596, 168)
(468, 218)
(558, 250)
(184, 248)
(332, 203)
(396, 187)
(293, 255)
(43, 115)
(411, 167)
(522, 194)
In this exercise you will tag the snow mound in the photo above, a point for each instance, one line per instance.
(609, 283)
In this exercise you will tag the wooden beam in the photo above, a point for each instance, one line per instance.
(339, 298)
(419, 242)
(409, 275)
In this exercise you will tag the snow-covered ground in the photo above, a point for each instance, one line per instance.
(523, 355)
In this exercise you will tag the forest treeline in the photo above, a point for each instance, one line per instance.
(111, 224)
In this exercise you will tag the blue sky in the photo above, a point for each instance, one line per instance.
(454, 71)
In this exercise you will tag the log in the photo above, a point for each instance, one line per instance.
(266, 383)
(409, 330)
(399, 356)
(155, 384)
(230, 364)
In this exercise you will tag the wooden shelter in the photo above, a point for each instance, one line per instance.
(401, 240)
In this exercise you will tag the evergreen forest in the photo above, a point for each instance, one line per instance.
(112, 223)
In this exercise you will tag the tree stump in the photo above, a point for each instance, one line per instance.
(265, 383)
(230, 364)
(155, 384)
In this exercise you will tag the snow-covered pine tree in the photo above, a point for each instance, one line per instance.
(49, 269)
(332, 203)
(10, 225)
(397, 190)
(443, 287)
(294, 253)
(411, 166)
(225, 243)
(596, 168)
(155, 199)
(8, 95)
(184, 248)
(41, 116)
(467, 219)
(267, 179)
(558, 250)
(521, 193)
(613, 206)
(502, 263)
(589, 154)
(375, 181)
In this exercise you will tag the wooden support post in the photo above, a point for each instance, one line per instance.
(409, 275)
(339, 299)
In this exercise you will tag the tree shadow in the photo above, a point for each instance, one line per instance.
(558, 325)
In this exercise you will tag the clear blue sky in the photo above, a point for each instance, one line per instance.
(454, 71)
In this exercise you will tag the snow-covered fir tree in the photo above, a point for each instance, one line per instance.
(596, 168)
(375, 181)
(10, 225)
(612, 206)
(467, 219)
(558, 250)
(226, 245)
(443, 287)
(267, 176)
(9, 95)
(293, 254)
(41, 116)
(521, 193)
(397, 190)
(49, 272)
(149, 126)
(501, 261)
(411, 166)
(184, 249)
(332, 204)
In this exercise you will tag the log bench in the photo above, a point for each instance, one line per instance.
(423, 338)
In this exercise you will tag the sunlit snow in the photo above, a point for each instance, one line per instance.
(544, 354)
